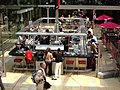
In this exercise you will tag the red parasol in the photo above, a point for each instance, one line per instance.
(110, 25)
(104, 17)
(118, 26)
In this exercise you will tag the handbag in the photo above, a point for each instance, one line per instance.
(47, 85)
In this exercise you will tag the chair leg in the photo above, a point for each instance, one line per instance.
(66, 69)
(77, 70)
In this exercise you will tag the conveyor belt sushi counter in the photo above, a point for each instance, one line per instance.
(77, 57)
(76, 54)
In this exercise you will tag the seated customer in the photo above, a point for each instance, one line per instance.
(28, 56)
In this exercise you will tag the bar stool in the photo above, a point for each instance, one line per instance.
(30, 64)
(81, 64)
(69, 65)
(17, 63)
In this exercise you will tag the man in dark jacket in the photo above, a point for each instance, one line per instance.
(58, 66)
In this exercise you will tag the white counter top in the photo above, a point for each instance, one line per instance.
(52, 47)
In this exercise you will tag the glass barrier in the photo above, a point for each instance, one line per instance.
(49, 35)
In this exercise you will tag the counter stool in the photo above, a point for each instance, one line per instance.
(17, 63)
(69, 65)
(30, 64)
(81, 64)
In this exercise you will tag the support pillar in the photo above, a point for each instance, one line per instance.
(47, 14)
(57, 21)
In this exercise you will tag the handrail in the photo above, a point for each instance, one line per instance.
(51, 34)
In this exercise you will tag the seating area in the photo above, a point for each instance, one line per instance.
(76, 65)
(20, 64)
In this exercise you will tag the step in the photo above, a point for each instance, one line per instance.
(106, 74)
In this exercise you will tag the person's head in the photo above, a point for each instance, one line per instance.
(66, 38)
(89, 32)
(48, 49)
(47, 30)
(28, 48)
(60, 29)
(43, 65)
(58, 50)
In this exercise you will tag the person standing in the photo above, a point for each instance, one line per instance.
(66, 44)
(48, 59)
(58, 66)
(1, 83)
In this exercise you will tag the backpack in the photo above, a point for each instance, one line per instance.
(34, 75)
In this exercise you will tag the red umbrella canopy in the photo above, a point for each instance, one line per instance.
(104, 17)
(109, 25)
(118, 26)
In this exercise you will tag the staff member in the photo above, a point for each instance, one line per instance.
(66, 44)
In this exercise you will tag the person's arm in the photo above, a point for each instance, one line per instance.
(44, 56)
(51, 56)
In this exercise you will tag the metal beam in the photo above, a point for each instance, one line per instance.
(46, 6)
(24, 10)
(97, 7)
(51, 34)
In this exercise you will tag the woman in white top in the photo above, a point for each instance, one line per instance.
(48, 60)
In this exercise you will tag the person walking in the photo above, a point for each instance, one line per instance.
(1, 83)
(58, 66)
(40, 77)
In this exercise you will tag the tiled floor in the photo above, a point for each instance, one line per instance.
(81, 81)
